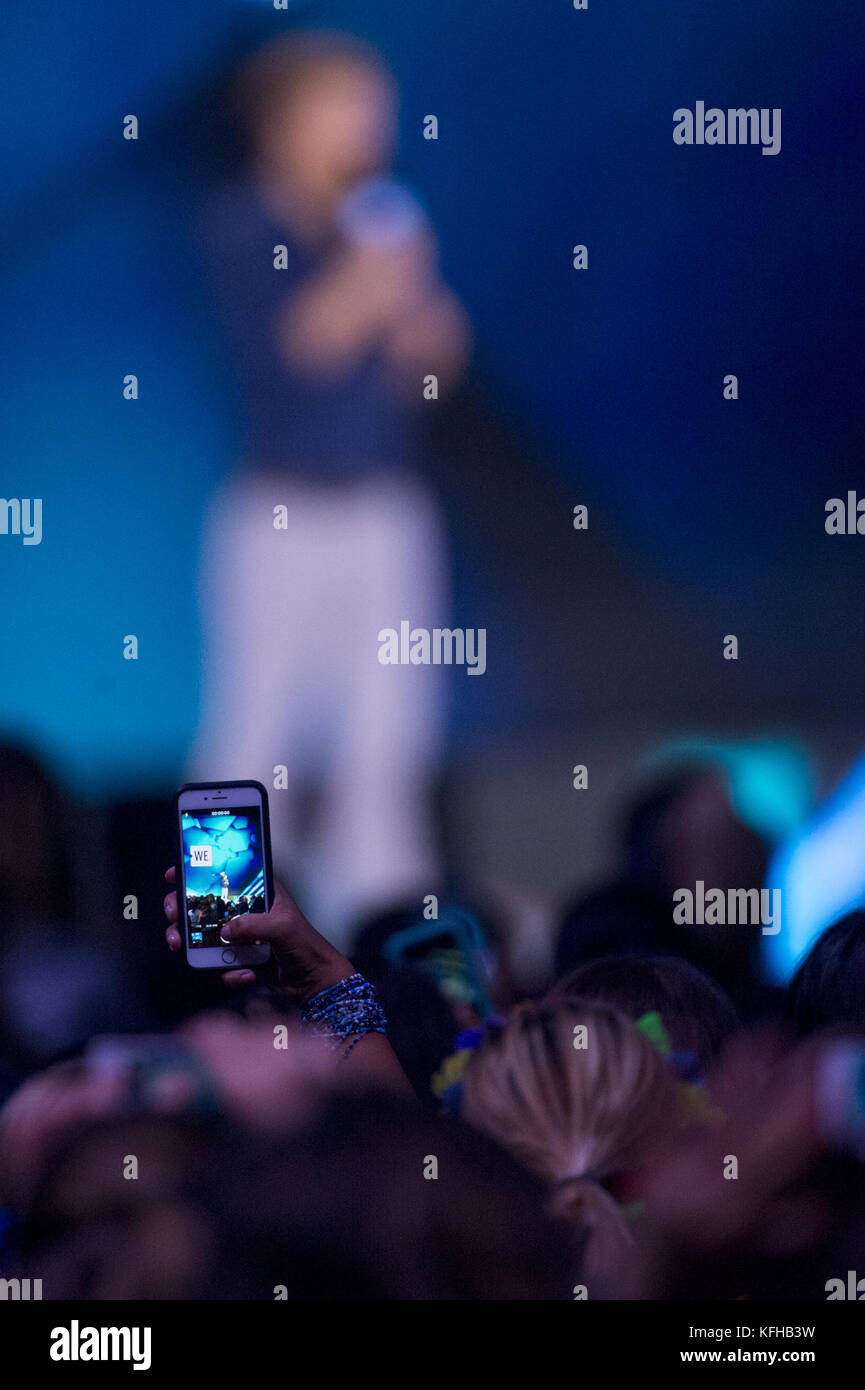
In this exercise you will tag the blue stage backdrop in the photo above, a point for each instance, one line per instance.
(555, 129)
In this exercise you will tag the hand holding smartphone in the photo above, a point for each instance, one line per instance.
(224, 834)
(305, 962)
(224, 870)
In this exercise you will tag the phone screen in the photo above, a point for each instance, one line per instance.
(223, 869)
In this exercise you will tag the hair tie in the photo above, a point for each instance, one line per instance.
(583, 1177)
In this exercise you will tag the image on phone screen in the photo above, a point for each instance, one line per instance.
(223, 869)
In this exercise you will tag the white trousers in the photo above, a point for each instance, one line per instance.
(291, 678)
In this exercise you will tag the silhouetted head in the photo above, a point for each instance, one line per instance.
(696, 1013)
(828, 989)
(320, 114)
(36, 883)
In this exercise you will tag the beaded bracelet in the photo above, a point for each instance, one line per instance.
(347, 1010)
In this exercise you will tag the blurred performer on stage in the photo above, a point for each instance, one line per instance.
(326, 272)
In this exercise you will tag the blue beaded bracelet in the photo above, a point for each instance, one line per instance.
(348, 1009)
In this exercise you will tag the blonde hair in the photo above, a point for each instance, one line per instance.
(576, 1108)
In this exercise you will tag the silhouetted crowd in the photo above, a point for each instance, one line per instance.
(409, 1120)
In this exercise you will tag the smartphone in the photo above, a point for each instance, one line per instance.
(159, 1072)
(454, 951)
(223, 869)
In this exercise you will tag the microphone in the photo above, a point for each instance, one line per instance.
(380, 212)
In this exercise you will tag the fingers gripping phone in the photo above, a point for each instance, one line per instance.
(223, 870)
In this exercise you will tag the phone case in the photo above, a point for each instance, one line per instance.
(469, 942)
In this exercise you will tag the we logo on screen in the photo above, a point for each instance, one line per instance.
(201, 856)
